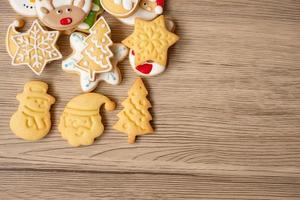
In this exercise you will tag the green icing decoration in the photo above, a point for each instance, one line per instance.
(92, 16)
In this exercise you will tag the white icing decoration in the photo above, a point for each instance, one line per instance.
(112, 77)
(156, 68)
(24, 7)
(30, 48)
(140, 13)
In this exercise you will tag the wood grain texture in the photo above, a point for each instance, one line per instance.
(226, 114)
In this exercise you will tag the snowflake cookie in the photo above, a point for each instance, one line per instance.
(34, 48)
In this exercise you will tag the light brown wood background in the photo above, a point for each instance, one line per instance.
(226, 114)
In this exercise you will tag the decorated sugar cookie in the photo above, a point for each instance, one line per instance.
(94, 54)
(120, 8)
(24, 7)
(135, 118)
(34, 48)
(32, 119)
(112, 77)
(150, 42)
(11, 46)
(149, 68)
(81, 122)
(90, 20)
(146, 10)
(63, 15)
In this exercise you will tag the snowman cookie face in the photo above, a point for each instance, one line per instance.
(24, 7)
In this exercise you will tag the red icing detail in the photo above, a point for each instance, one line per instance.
(132, 53)
(66, 21)
(145, 68)
(160, 3)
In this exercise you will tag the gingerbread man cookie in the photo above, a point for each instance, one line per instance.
(63, 15)
(134, 118)
(34, 48)
(32, 120)
(81, 122)
(112, 77)
(24, 7)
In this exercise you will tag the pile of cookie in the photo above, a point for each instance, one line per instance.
(95, 59)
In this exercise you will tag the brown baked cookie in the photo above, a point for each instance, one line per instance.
(63, 15)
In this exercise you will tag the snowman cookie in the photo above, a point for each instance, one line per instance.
(63, 15)
(32, 120)
(120, 8)
(24, 7)
(146, 10)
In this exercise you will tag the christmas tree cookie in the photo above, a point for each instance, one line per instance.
(112, 77)
(135, 118)
(96, 54)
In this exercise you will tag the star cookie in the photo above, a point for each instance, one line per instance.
(36, 48)
(151, 41)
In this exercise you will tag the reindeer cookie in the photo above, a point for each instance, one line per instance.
(146, 10)
(32, 120)
(24, 7)
(34, 48)
(120, 8)
(112, 77)
(63, 15)
(80, 122)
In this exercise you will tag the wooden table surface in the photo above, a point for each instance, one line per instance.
(226, 114)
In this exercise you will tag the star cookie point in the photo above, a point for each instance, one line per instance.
(151, 41)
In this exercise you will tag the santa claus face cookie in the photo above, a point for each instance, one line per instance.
(63, 14)
(147, 10)
(147, 68)
(24, 7)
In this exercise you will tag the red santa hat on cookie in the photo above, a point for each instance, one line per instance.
(159, 7)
